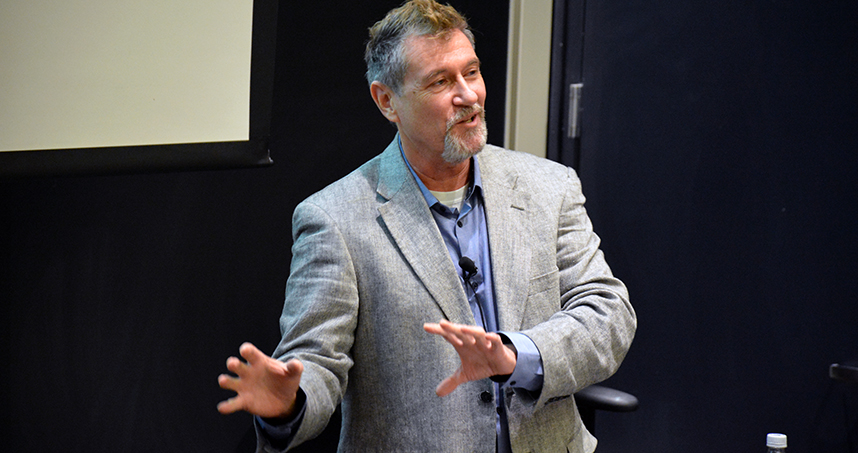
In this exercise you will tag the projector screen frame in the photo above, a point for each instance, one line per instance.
(250, 153)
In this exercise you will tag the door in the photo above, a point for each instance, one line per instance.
(717, 151)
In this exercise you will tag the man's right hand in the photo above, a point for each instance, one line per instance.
(265, 387)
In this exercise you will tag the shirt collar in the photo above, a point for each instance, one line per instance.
(431, 200)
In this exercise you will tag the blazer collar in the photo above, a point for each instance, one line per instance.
(507, 210)
(411, 225)
(406, 215)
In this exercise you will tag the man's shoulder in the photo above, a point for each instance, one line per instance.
(501, 161)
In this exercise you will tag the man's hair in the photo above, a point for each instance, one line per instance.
(385, 53)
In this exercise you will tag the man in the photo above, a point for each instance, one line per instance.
(400, 269)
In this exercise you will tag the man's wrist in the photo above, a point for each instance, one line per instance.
(501, 378)
(528, 371)
(293, 412)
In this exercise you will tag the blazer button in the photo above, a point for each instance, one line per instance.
(486, 397)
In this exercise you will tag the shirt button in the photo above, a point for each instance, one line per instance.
(460, 223)
(486, 397)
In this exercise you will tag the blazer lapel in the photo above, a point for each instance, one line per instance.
(413, 228)
(506, 218)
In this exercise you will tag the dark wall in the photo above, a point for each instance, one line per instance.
(122, 296)
(719, 160)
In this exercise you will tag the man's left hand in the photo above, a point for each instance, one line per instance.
(482, 354)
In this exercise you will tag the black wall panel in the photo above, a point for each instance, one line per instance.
(719, 159)
(122, 296)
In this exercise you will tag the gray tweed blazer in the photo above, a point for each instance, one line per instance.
(369, 267)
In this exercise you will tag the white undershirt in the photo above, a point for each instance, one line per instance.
(452, 200)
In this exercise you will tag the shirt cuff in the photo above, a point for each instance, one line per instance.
(528, 373)
(281, 433)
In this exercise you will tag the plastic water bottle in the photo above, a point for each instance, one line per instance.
(776, 443)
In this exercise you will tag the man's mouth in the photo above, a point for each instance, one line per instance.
(466, 116)
(469, 119)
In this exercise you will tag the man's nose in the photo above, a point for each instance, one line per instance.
(465, 93)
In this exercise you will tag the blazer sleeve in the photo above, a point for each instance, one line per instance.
(319, 317)
(584, 341)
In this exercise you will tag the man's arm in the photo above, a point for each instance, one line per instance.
(587, 339)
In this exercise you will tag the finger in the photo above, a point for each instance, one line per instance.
(485, 341)
(229, 406)
(489, 342)
(463, 327)
(227, 382)
(291, 369)
(433, 328)
(235, 365)
(445, 332)
(438, 327)
(250, 353)
(462, 330)
(453, 339)
(466, 335)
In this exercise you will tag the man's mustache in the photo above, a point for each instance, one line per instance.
(463, 114)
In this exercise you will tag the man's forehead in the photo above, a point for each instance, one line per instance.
(432, 54)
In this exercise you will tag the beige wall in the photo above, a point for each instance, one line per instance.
(84, 73)
(528, 75)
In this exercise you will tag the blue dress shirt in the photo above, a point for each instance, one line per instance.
(465, 234)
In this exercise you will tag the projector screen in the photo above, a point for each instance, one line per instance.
(120, 74)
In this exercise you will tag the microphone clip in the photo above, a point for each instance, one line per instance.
(469, 269)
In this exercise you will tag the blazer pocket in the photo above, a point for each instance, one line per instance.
(556, 399)
(544, 282)
(543, 299)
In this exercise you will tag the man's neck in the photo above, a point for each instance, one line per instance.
(438, 174)
(444, 180)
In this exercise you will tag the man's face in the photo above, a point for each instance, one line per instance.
(440, 111)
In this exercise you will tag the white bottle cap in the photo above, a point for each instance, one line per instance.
(775, 440)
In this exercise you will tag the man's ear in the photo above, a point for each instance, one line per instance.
(383, 96)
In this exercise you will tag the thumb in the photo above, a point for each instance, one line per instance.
(448, 385)
(294, 367)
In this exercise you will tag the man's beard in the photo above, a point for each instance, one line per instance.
(458, 149)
